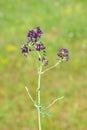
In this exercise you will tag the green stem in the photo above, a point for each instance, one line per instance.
(39, 79)
(29, 95)
(51, 67)
(54, 102)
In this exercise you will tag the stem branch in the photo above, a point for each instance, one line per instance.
(51, 67)
(54, 102)
(29, 95)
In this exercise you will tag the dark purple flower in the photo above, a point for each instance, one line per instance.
(63, 53)
(39, 31)
(39, 46)
(34, 35)
(24, 50)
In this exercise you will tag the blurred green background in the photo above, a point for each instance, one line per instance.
(64, 23)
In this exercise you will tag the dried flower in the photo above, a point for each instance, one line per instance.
(63, 54)
(43, 59)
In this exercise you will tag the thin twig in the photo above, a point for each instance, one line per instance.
(51, 67)
(54, 102)
(29, 95)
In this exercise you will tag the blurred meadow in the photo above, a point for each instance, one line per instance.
(64, 23)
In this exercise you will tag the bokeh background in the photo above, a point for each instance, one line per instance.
(64, 23)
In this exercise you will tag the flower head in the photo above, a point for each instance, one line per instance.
(34, 44)
(63, 54)
(39, 46)
(39, 31)
(34, 35)
(24, 50)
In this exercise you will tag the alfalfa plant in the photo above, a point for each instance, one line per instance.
(34, 44)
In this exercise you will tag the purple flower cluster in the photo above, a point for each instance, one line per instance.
(24, 50)
(63, 53)
(34, 44)
(40, 46)
(34, 35)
